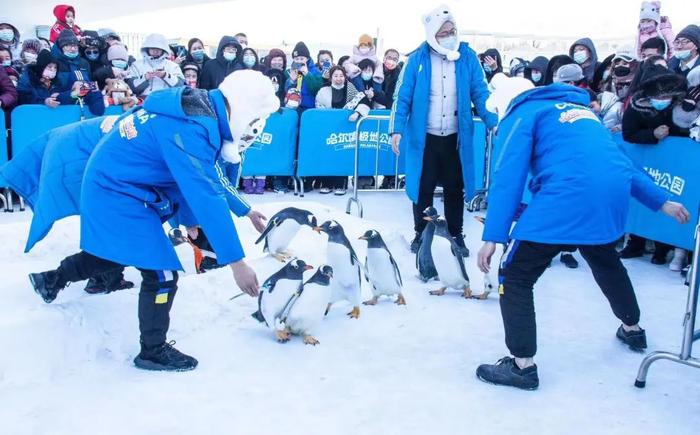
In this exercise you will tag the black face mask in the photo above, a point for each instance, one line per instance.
(621, 71)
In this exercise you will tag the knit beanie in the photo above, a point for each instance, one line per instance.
(31, 44)
(692, 33)
(432, 22)
(301, 50)
(67, 37)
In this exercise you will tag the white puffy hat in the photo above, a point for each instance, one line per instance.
(504, 90)
(251, 99)
(432, 21)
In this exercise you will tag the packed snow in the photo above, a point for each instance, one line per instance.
(66, 367)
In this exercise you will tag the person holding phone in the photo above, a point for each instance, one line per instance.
(305, 80)
(154, 71)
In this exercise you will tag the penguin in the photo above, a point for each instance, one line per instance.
(307, 308)
(424, 259)
(346, 268)
(277, 293)
(449, 263)
(491, 279)
(381, 270)
(281, 229)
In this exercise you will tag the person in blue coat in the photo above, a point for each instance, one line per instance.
(156, 160)
(581, 184)
(431, 119)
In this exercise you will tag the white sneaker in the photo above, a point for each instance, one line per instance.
(325, 191)
(678, 260)
(339, 192)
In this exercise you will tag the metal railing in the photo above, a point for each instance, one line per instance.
(689, 333)
(479, 200)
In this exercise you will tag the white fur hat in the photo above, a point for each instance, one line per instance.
(651, 11)
(504, 89)
(250, 96)
(432, 22)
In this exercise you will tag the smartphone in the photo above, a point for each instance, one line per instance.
(297, 65)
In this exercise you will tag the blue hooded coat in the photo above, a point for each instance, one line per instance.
(581, 180)
(409, 114)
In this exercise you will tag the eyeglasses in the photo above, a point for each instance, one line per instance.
(446, 33)
(89, 52)
(395, 59)
(682, 42)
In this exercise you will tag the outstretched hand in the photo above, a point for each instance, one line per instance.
(245, 278)
(484, 257)
(258, 219)
(677, 211)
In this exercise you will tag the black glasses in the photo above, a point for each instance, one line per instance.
(447, 33)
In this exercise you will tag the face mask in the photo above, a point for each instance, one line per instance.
(659, 104)
(198, 55)
(249, 61)
(682, 54)
(118, 63)
(622, 71)
(229, 56)
(606, 75)
(71, 55)
(7, 63)
(7, 35)
(580, 57)
(364, 50)
(49, 74)
(334, 86)
(390, 64)
(29, 57)
(487, 69)
(536, 77)
(366, 76)
(647, 27)
(449, 42)
(93, 56)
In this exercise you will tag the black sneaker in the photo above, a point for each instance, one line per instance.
(164, 358)
(47, 284)
(659, 259)
(631, 252)
(569, 261)
(95, 286)
(636, 340)
(506, 372)
(415, 244)
(459, 240)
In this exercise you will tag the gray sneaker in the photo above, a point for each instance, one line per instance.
(506, 372)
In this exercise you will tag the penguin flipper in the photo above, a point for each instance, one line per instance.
(460, 260)
(258, 315)
(397, 272)
(270, 225)
(366, 270)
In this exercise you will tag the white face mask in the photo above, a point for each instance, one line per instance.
(364, 49)
(682, 54)
(29, 57)
(536, 77)
(449, 42)
(49, 74)
(580, 57)
(336, 86)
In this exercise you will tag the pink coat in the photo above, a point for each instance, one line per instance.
(663, 30)
(371, 55)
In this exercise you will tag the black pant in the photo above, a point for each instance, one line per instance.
(638, 243)
(156, 297)
(441, 164)
(523, 264)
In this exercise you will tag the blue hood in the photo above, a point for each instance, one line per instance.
(556, 91)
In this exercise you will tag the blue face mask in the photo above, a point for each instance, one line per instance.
(682, 54)
(6, 63)
(71, 55)
(449, 42)
(197, 55)
(230, 57)
(366, 76)
(659, 104)
(7, 35)
(536, 77)
(249, 61)
(580, 57)
(93, 56)
(118, 63)
(487, 69)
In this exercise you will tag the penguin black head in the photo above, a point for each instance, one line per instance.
(430, 212)
(301, 216)
(295, 269)
(441, 227)
(332, 228)
(323, 275)
(373, 238)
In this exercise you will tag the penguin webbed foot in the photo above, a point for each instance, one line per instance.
(372, 301)
(400, 300)
(438, 292)
(282, 258)
(310, 340)
(355, 313)
(467, 293)
(483, 296)
(282, 336)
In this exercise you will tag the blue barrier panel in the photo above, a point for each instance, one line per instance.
(3, 145)
(112, 110)
(32, 120)
(275, 150)
(673, 164)
(327, 144)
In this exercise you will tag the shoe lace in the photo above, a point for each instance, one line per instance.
(504, 360)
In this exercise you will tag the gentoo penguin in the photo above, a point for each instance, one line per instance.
(341, 256)
(277, 293)
(424, 259)
(491, 281)
(281, 229)
(381, 269)
(449, 263)
(307, 308)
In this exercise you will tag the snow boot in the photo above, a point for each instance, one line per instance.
(259, 186)
(339, 191)
(415, 244)
(47, 284)
(95, 285)
(248, 187)
(459, 240)
(569, 261)
(636, 340)
(678, 261)
(507, 372)
(164, 357)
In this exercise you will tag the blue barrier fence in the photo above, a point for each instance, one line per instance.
(326, 148)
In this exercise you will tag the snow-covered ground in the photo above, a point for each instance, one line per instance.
(65, 368)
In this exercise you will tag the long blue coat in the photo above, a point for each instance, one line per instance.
(409, 115)
(581, 180)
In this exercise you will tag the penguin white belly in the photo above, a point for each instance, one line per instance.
(273, 303)
(308, 310)
(381, 273)
(279, 238)
(345, 273)
(446, 264)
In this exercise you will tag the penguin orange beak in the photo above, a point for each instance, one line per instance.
(317, 229)
(362, 238)
(427, 218)
(308, 267)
